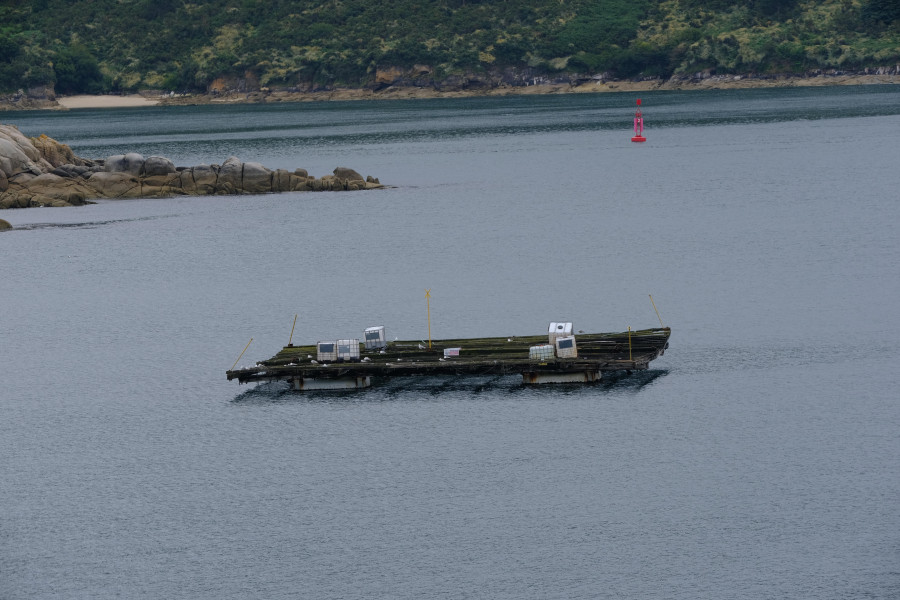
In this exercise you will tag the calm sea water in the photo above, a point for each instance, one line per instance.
(760, 458)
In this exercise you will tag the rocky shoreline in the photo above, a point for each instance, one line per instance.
(43, 172)
(700, 81)
(403, 85)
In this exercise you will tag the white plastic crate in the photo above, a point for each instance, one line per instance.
(566, 348)
(542, 352)
(448, 352)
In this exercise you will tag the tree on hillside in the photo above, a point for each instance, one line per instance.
(77, 71)
(11, 68)
(882, 12)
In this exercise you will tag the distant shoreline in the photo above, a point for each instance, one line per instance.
(715, 82)
(718, 82)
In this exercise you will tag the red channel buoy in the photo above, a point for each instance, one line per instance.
(638, 125)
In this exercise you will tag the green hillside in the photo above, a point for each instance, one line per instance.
(92, 46)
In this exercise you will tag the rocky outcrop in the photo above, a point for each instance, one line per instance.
(34, 98)
(18, 154)
(42, 172)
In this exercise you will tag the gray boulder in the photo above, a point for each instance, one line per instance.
(281, 181)
(256, 179)
(157, 165)
(230, 176)
(162, 186)
(73, 171)
(345, 174)
(115, 185)
(12, 134)
(131, 163)
(236, 177)
(114, 164)
(202, 179)
(14, 159)
(69, 191)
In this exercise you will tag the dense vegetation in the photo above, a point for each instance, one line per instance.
(89, 46)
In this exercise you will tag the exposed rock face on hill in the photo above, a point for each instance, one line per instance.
(42, 172)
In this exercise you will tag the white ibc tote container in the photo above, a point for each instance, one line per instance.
(347, 350)
(565, 347)
(559, 330)
(326, 350)
(374, 338)
(541, 352)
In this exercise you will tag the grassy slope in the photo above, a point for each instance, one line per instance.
(97, 45)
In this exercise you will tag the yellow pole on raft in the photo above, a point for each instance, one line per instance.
(292, 330)
(657, 312)
(629, 343)
(428, 304)
(242, 353)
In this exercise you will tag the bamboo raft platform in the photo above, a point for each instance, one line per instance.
(597, 353)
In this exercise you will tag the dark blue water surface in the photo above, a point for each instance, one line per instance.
(759, 458)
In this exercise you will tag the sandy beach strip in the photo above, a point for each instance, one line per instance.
(130, 100)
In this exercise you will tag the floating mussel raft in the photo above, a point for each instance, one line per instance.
(559, 357)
